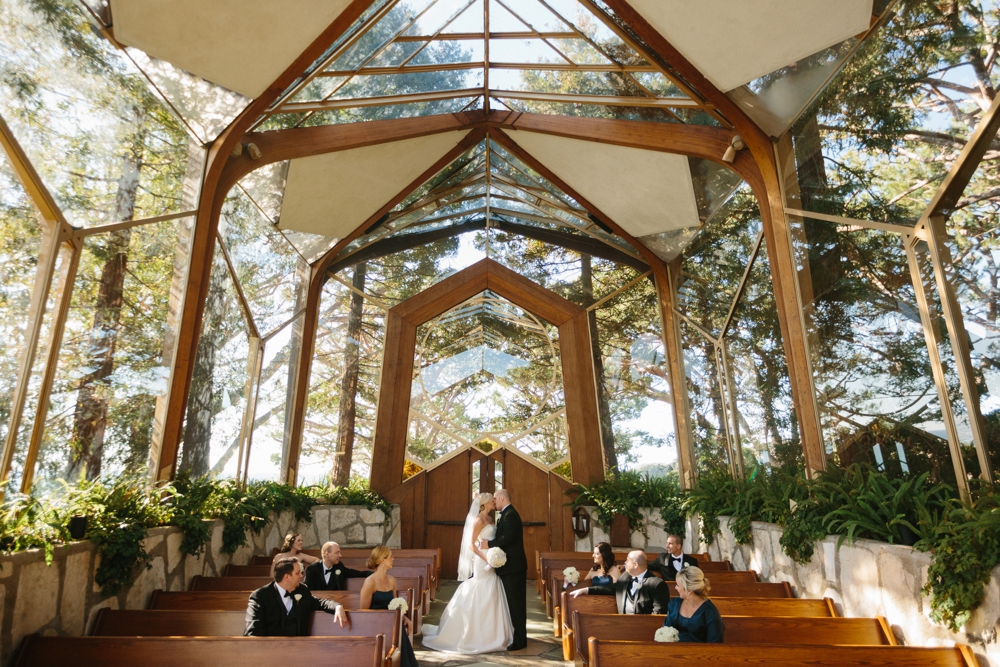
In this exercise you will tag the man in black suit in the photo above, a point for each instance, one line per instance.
(328, 574)
(284, 608)
(674, 560)
(514, 573)
(637, 591)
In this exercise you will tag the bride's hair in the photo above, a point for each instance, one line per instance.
(483, 499)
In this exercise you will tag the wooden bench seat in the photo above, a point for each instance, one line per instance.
(614, 653)
(197, 623)
(247, 571)
(735, 606)
(37, 651)
(739, 630)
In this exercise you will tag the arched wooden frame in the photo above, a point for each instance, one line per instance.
(580, 388)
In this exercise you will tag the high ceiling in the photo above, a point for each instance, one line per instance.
(405, 58)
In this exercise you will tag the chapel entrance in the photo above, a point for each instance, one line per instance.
(487, 382)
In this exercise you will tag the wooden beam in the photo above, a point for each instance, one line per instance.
(393, 416)
(583, 427)
(780, 253)
(303, 369)
(213, 194)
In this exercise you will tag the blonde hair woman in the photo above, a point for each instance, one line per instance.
(691, 613)
(379, 590)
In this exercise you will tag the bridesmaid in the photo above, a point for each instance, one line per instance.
(605, 571)
(691, 613)
(292, 548)
(378, 591)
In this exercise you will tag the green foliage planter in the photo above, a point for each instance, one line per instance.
(626, 493)
(121, 512)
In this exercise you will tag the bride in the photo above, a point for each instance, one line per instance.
(476, 619)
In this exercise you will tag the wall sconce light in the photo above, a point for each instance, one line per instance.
(581, 522)
(736, 144)
(254, 151)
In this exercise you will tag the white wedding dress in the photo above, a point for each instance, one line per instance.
(476, 619)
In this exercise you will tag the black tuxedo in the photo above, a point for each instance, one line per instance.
(316, 578)
(514, 573)
(666, 568)
(651, 598)
(267, 616)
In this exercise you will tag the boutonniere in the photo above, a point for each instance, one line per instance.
(337, 572)
(298, 596)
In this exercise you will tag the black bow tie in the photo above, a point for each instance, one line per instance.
(288, 594)
(676, 557)
(328, 571)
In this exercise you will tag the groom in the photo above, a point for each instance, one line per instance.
(514, 573)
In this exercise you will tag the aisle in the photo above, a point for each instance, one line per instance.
(542, 646)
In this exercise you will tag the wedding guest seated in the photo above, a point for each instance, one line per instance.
(636, 591)
(605, 571)
(292, 548)
(379, 590)
(284, 608)
(668, 564)
(328, 574)
(691, 613)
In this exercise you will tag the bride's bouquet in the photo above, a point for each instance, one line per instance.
(399, 603)
(496, 557)
(666, 634)
(572, 575)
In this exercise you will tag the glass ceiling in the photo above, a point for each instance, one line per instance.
(418, 57)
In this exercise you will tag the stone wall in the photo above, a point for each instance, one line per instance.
(62, 599)
(651, 536)
(866, 578)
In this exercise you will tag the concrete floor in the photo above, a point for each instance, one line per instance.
(542, 646)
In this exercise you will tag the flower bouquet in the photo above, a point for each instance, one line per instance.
(496, 557)
(666, 634)
(572, 576)
(399, 603)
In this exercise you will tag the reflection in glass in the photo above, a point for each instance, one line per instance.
(104, 145)
(217, 399)
(708, 414)
(870, 362)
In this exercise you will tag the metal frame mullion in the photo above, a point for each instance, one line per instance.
(255, 366)
(727, 378)
(937, 369)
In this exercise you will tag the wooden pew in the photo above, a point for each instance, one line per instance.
(402, 583)
(587, 556)
(613, 653)
(401, 567)
(247, 571)
(734, 606)
(39, 651)
(739, 630)
(557, 579)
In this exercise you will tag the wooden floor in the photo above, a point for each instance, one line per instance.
(543, 647)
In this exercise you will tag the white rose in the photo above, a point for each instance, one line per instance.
(666, 634)
(399, 603)
(572, 574)
(298, 596)
(337, 572)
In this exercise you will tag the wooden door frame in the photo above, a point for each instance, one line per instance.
(580, 386)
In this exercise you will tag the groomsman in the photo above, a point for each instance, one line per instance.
(637, 591)
(328, 574)
(674, 560)
(284, 608)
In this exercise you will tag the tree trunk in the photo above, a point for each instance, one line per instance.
(94, 394)
(344, 454)
(603, 405)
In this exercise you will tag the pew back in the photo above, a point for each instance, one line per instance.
(741, 630)
(39, 651)
(614, 653)
(247, 571)
(202, 583)
(794, 607)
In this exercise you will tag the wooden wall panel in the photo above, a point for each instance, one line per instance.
(447, 506)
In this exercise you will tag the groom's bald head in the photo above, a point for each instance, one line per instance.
(502, 498)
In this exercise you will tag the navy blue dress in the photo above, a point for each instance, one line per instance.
(601, 581)
(407, 658)
(705, 625)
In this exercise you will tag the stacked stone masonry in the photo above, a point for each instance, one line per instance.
(62, 599)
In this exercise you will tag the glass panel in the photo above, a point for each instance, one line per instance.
(716, 260)
(271, 427)
(708, 413)
(870, 363)
(635, 409)
(269, 269)
(974, 244)
(759, 379)
(497, 475)
(20, 244)
(883, 134)
(217, 399)
(112, 367)
(477, 467)
(105, 146)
